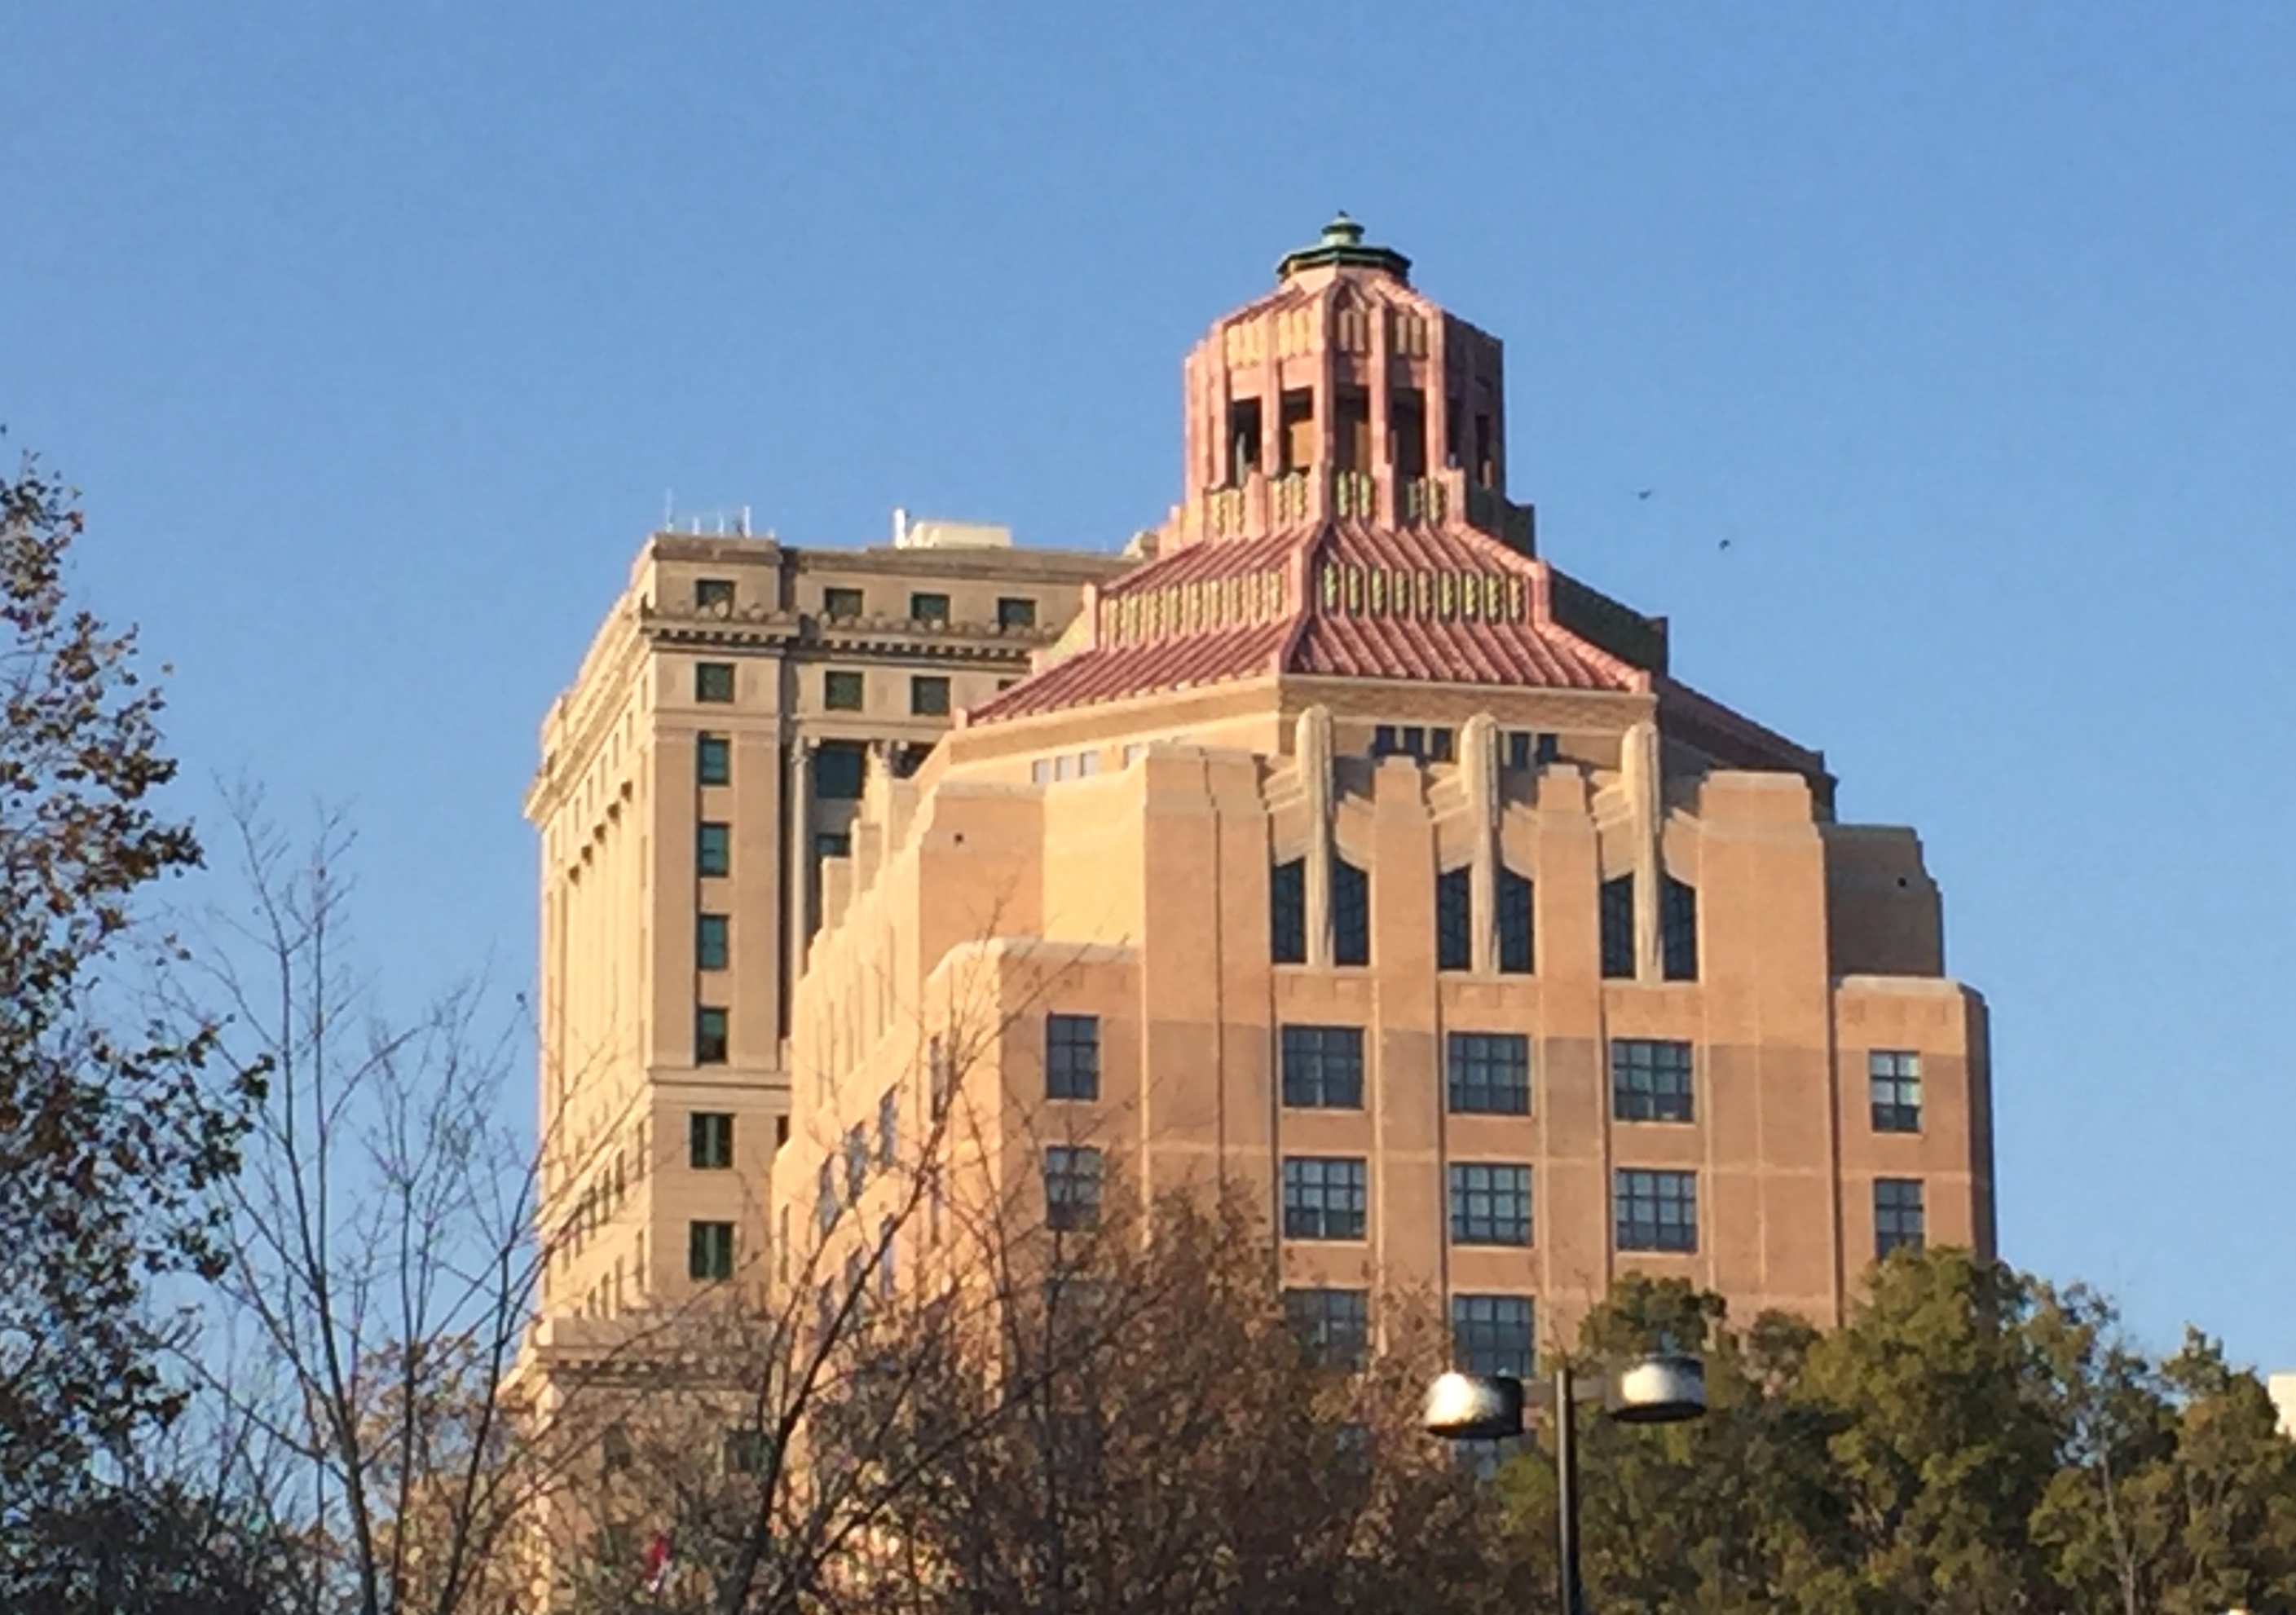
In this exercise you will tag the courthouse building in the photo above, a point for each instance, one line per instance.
(1347, 853)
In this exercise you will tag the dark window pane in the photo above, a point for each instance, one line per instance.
(929, 695)
(825, 1203)
(1619, 927)
(857, 1163)
(713, 759)
(1492, 1334)
(713, 681)
(1650, 1081)
(1893, 1079)
(1678, 930)
(928, 608)
(1072, 1056)
(1323, 1067)
(709, 1141)
(838, 768)
(841, 602)
(1441, 743)
(843, 691)
(1514, 923)
(888, 1128)
(1488, 1073)
(709, 1250)
(709, 1036)
(1071, 1186)
(1287, 905)
(712, 942)
(1455, 941)
(1654, 1211)
(1016, 613)
(713, 848)
(1899, 1219)
(1383, 743)
(1332, 1326)
(1350, 913)
(1324, 1197)
(1519, 744)
(1490, 1204)
(713, 593)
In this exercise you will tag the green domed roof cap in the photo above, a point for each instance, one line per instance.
(1342, 244)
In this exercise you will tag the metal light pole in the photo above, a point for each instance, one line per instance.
(1486, 1408)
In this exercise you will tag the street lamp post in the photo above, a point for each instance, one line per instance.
(1487, 1407)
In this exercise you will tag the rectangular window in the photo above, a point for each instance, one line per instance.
(1514, 923)
(1650, 1081)
(1071, 1056)
(1455, 926)
(1350, 913)
(857, 1163)
(713, 759)
(929, 695)
(840, 604)
(1383, 743)
(1406, 431)
(709, 1036)
(1654, 1211)
(888, 1128)
(1295, 440)
(1619, 928)
(887, 1279)
(839, 768)
(1071, 1186)
(1490, 1204)
(713, 681)
(928, 608)
(824, 1198)
(1332, 1326)
(713, 848)
(1323, 1067)
(1899, 1221)
(709, 1141)
(1678, 930)
(1442, 745)
(1324, 1197)
(747, 1452)
(1488, 1073)
(712, 942)
(1013, 613)
(1894, 1081)
(844, 690)
(709, 1250)
(1242, 439)
(1492, 1334)
(713, 593)
(1287, 912)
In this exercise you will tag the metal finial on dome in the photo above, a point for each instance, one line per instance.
(1341, 245)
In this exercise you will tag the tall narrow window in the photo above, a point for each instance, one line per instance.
(1455, 932)
(713, 848)
(1071, 1186)
(1407, 429)
(1298, 430)
(1287, 912)
(1899, 1221)
(824, 1198)
(710, 1037)
(1323, 1067)
(1324, 1197)
(713, 759)
(1351, 421)
(1514, 923)
(857, 1163)
(712, 942)
(1678, 930)
(1242, 439)
(1619, 927)
(1332, 1326)
(713, 681)
(709, 1251)
(1894, 1081)
(1650, 1080)
(709, 1141)
(889, 1127)
(1350, 913)
(1487, 1073)
(1071, 1056)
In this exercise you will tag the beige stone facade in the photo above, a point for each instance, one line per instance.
(1347, 853)
(708, 755)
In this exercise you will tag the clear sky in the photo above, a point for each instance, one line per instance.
(376, 334)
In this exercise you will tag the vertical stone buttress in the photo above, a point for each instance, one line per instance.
(1645, 798)
(800, 820)
(1312, 745)
(1478, 761)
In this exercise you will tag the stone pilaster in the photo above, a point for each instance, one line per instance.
(1479, 764)
(1312, 749)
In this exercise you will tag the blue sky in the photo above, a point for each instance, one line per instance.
(376, 334)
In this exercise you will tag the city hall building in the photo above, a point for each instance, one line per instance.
(1344, 853)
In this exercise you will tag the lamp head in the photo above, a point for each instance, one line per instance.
(1659, 1390)
(1474, 1407)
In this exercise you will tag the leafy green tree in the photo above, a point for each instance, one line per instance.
(111, 1132)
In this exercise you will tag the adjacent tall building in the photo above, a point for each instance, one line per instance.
(1348, 852)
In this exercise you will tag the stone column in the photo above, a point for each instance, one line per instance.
(1646, 798)
(1312, 746)
(1479, 763)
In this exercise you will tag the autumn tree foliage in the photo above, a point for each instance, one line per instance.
(113, 1128)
